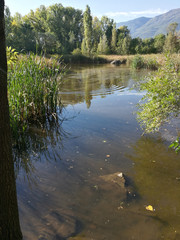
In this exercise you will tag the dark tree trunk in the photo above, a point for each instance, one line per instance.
(9, 218)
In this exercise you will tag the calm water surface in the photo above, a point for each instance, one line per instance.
(66, 197)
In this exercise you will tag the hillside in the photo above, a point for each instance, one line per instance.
(153, 26)
(135, 24)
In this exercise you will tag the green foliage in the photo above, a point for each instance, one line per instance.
(175, 145)
(137, 62)
(159, 41)
(107, 26)
(103, 47)
(172, 43)
(33, 85)
(82, 59)
(87, 41)
(60, 30)
(123, 40)
(97, 32)
(12, 56)
(151, 64)
(114, 39)
(162, 99)
(77, 52)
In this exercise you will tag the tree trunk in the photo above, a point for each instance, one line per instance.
(9, 218)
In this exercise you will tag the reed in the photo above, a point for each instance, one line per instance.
(33, 91)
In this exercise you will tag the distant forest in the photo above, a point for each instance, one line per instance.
(65, 30)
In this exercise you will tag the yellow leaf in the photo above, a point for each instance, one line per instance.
(150, 208)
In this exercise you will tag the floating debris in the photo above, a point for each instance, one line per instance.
(150, 208)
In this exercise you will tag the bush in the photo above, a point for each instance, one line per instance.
(162, 100)
(77, 52)
(137, 62)
(152, 64)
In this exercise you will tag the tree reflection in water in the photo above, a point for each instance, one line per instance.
(82, 84)
(32, 145)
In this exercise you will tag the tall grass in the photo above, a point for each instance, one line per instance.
(139, 62)
(33, 86)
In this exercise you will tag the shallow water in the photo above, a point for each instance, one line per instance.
(66, 197)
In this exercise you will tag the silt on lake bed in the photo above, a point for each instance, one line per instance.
(100, 177)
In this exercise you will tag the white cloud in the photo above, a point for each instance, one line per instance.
(137, 13)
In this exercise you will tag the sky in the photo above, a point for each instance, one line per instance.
(119, 10)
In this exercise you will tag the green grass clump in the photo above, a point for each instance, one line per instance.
(33, 86)
(139, 62)
(151, 64)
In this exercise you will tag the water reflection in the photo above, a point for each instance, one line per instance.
(36, 144)
(85, 83)
(70, 201)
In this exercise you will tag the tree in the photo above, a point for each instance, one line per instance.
(9, 219)
(87, 41)
(97, 32)
(148, 46)
(159, 41)
(55, 21)
(114, 39)
(107, 26)
(171, 42)
(8, 21)
(126, 45)
(161, 102)
(103, 47)
(135, 46)
(124, 38)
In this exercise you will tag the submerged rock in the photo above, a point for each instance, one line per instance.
(116, 178)
(59, 225)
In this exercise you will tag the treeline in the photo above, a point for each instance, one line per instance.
(63, 30)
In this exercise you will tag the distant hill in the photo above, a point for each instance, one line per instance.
(133, 25)
(152, 26)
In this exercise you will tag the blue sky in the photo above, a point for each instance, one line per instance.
(118, 10)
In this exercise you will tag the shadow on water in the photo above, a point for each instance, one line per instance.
(156, 177)
(37, 144)
(37, 148)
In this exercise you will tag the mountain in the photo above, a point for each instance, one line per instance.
(153, 26)
(133, 25)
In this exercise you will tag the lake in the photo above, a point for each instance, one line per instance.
(93, 176)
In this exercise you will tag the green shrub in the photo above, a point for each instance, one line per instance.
(151, 64)
(161, 102)
(137, 62)
(77, 51)
(12, 56)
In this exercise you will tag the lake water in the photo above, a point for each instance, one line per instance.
(66, 196)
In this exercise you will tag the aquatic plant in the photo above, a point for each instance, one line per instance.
(33, 91)
(137, 62)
